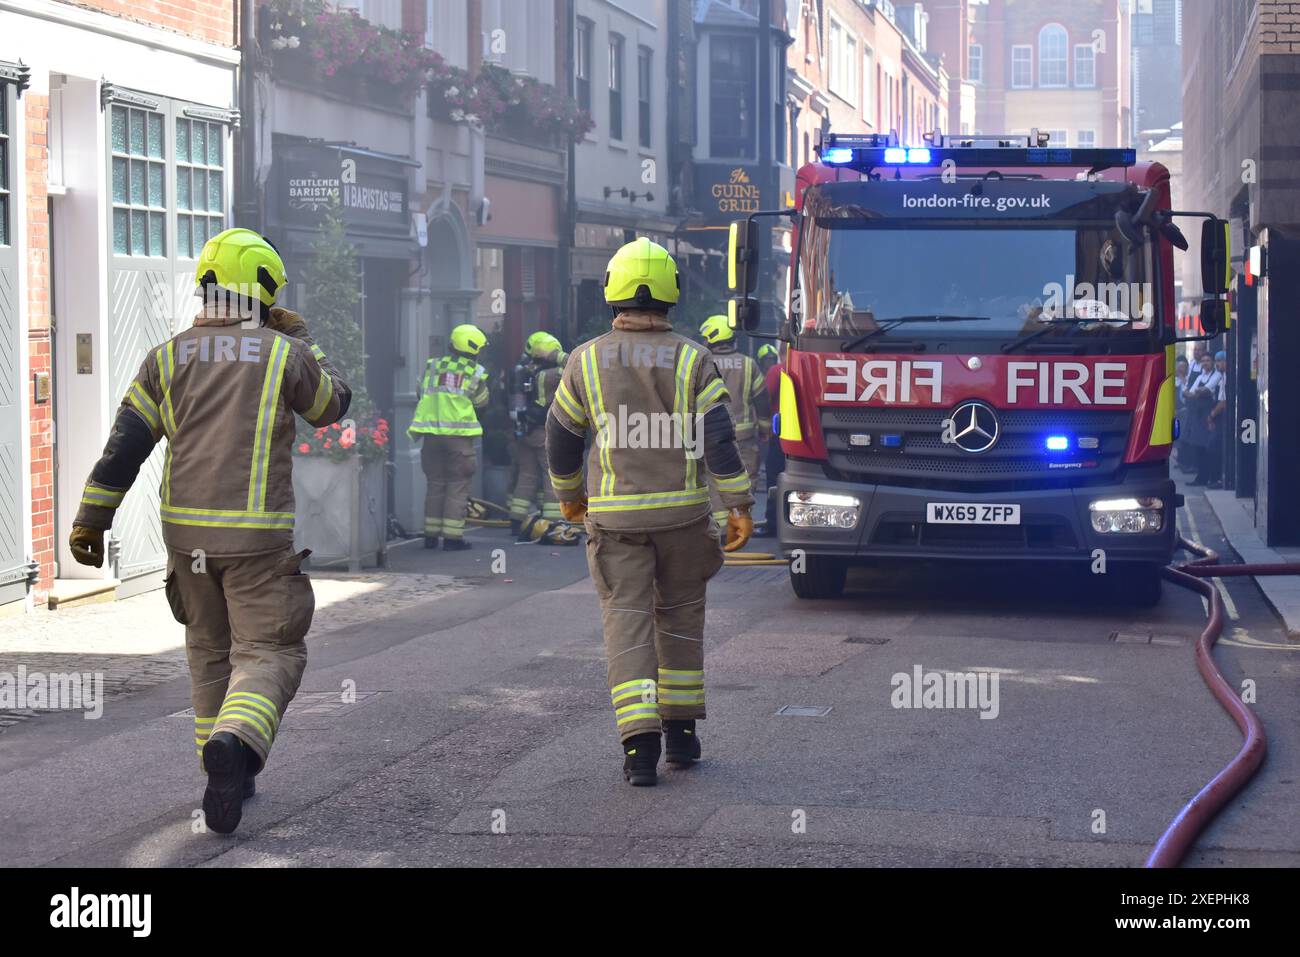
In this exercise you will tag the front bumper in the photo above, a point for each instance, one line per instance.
(1055, 524)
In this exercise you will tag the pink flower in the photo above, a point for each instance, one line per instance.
(304, 448)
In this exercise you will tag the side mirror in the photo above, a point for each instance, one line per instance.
(743, 313)
(742, 256)
(1214, 257)
(1215, 316)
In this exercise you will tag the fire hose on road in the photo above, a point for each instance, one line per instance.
(1196, 815)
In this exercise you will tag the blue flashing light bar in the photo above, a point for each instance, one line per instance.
(866, 158)
(1057, 443)
(891, 440)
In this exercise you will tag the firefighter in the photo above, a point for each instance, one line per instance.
(769, 360)
(539, 373)
(748, 404)
(225, 398)
(651, 546)
(446, 420)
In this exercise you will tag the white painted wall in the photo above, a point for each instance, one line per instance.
(87, 46)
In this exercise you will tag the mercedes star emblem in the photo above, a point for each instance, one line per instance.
(974, 427)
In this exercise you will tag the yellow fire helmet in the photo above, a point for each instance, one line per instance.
(468, 338)
(542, 345)
(643, 275)
(242, 262)
(717, 330)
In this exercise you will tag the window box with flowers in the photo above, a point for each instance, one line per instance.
(311, 43)
(341, 493)
(497, 100)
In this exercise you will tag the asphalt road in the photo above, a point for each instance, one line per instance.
(481, 734)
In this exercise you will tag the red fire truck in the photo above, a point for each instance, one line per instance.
(980, 357)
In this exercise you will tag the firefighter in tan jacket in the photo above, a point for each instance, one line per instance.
(224, 394)
(748, 404)
(658, 411)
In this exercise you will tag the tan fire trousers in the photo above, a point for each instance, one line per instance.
(246, 620)
(748, 449)
(651, 587)
(449, 465)
(532, 491)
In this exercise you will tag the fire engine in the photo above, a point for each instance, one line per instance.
(979, 356)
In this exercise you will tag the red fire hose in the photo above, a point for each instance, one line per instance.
(1196, 815)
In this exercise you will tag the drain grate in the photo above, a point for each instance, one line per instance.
(804, 710)
(1146, 638)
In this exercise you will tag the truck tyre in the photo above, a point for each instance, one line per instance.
(822, 577)
(1138, 585)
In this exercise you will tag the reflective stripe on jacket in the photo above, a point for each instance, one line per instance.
(454, 387)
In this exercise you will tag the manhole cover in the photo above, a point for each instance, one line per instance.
(804, 710)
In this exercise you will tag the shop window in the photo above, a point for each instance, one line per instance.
(139, 172)
(200, 185)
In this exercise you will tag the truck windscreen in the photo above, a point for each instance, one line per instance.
(1074, 284)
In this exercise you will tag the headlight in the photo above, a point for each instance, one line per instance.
(822, 510)
(1127, 514)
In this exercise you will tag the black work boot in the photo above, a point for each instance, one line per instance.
(455, 545)
(681, 744)
(516, 528)
(250, 785)
(228, 763)
(640, 758)
(431, 541)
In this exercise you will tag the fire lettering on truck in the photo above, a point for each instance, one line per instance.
(1100, 384)
(893, 379)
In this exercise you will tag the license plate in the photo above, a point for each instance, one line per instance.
(968, 513)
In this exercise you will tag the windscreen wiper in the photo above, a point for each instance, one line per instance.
(887, 324)
(1052, 326)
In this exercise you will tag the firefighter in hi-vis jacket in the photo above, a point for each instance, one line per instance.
(658, 409)
(454, 388)
(224, 394)
(748, 403)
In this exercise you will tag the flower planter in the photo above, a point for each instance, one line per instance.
(342, 510)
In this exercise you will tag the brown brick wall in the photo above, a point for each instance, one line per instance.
(211, 20)
(1279, 26)
(37, 112)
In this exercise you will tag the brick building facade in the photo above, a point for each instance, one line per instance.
(1060, 66)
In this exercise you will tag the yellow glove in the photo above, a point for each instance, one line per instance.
(574, 511)
(87, 545)
(286, 321)
(739, 527)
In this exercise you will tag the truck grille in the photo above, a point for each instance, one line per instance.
(1018, 457)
